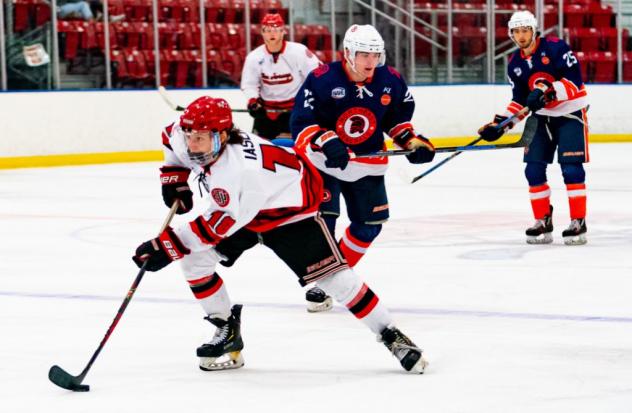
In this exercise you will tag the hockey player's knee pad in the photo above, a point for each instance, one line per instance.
(343, 286)
(535, 173)
(573, 173)
(365, 232)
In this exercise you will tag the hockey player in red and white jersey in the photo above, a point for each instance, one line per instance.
(258, 193)
(271, 76)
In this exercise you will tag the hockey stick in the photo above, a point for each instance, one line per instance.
(178, 108)
(67, 381)
(525, 140)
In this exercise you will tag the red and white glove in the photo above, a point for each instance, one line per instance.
(176, 188)
(161, 251)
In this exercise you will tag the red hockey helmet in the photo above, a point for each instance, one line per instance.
(272, 20)
(206, 113)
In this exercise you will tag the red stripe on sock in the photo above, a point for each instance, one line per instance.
(350, 255)
(358, 296)
(368, 308)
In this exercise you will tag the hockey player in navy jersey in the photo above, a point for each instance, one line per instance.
(545, 76)
(345, 108)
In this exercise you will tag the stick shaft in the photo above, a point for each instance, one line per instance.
(126, 300)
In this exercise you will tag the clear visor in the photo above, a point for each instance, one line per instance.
(203, 158)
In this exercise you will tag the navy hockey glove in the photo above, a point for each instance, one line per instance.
(540, 96)
(161, 251)
(424, 150)
(335, 151)
(256, 109)
(175, 188)
(490, 131)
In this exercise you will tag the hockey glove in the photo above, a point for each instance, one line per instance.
(160, 252)
(335, 151)
(176, 188)
(540, 96)
(490, 131)
(424, 150)
(256, 109)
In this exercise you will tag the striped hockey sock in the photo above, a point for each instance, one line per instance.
(212, 295)
(352, 247)
(540, 200)
(577, 200)
(347, 288)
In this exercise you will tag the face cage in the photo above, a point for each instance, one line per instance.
(204, 158)
(353, 51)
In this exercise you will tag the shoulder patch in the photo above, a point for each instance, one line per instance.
(552, 39)
(321, 70)
(220, 196)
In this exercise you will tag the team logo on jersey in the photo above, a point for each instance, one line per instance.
(220, 196)
(338, 93)
(356, 125)
(545, 60)
(385, 99)
(518, 71)
(326, 195)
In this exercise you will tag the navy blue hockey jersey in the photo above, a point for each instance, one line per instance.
(554, 62)
(359, 113)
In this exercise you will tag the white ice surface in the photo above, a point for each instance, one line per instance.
(506, 326)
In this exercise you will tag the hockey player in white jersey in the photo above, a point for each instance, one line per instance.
(271, 76)
(258, 193)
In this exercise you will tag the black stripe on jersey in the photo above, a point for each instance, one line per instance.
(201, 229)
(208, 285)
(364, 302)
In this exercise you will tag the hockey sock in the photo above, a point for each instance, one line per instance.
(540, 200)
(348, 289)
(356, 240)
(577, 200)
(212, 295)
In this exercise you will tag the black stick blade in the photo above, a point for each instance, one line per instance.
(65, 380)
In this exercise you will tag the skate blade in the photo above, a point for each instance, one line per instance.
(420, 366)
(326, 305)
(545, 238)
(235, 360)
(576, 240)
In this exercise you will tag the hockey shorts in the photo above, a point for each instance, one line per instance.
(365, 199)
(305, 246)
(568, 133)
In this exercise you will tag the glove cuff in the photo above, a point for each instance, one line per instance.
(170, 175)
(172, 244)
(324, 137)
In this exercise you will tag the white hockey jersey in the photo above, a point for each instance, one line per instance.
(275, 78)
(256, 185)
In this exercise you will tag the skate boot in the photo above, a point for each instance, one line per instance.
(541, 231)
(226, 341)
(575, 234)
(408, 354)
(317, 300)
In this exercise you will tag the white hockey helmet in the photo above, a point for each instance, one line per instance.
(522, 18)
(363, 38)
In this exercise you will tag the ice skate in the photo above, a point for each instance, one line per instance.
(541, 231)
(226, 342)
(318, 300)
(575, 234)
(408, 354)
